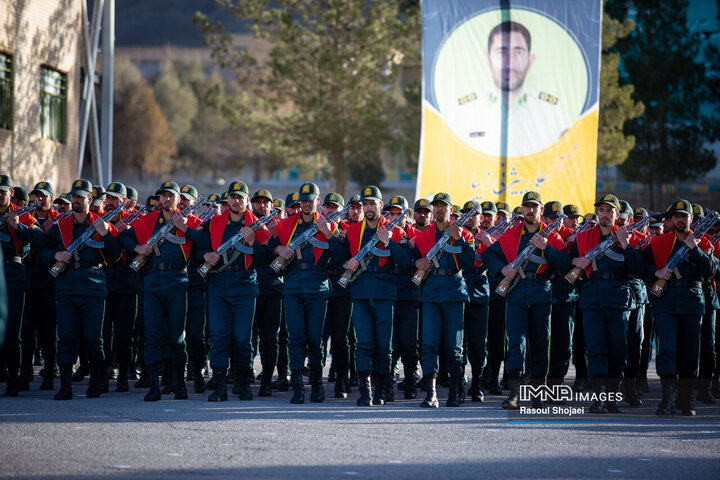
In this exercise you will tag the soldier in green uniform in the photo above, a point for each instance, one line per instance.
(373, 293)
(443, 294)
(529, 302)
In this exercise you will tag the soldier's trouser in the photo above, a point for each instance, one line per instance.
(579, 357)
(139, 333)
(605, 340)
(11, 346)
(528, 324)
(707, 343)
(283, 360)
(496, 345)
(373, 321)
(268, 309)
(678, 338)
(39, 316)
(562, 324)
(165, 314)
(231, 322)
(80, 321)
(337, 323)
(195, 324)
(442, 320)
(648, 337)
(405, 334)
(634, 342)
(476, 329)
(119, 323)
(305, 315)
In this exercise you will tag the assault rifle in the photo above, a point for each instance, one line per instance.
(308, 236)
(528, 254)
(365, 254)
(443, 245)
(237, 242)
(85, 239)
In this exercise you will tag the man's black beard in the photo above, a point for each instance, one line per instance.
(684, 229)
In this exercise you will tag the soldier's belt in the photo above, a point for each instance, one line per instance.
(85, 265)
(608, 276)
(685, 283)
(377, 269)
(535, 276)
(331, 272)
(445, 272)
(302, 266)
(402, 271)
(166, 267)
(236, 267)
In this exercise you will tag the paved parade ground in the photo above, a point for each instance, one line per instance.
(120, 436)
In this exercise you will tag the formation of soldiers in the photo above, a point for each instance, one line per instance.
(151, 292)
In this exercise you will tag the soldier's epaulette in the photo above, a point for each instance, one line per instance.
(548, 98)
(467, 99)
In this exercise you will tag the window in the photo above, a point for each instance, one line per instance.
(5, 91)
(53, 104)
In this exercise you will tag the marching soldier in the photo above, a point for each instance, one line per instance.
(422, 214)
(373, 294)
(443, 295)
(605, 301)
(165, 285)
(14, 247)
(81, 288)
(268, 309)
(306, 292)
(529, 303)
(232, 289)
(477, 309)
(679, 310)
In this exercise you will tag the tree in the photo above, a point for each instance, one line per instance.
(177, 100)
(323, 83)
(664, 60)
(142, 141)
(616, 103)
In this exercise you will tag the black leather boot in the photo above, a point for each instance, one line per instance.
(667, 403)
(366, 398)
(197, 376)
(340, 383)
(703, 394)
(390, 389)
(96, 383)
(169, 379)
(512, 402)
(242, 384)
(453, 399)
(180, 388)
(685, 400)
(266, 383)
(80, 373)
(317, 394)
(630, 394)
(65, 392)
(296, 379)
(12, 388)
(476, 388)
(380, 395)
(26, 375)
(144, 380)
(410, 391)
(48, 375)
(220, 393)
(282, 384)
(431, 400)
(598, 405)
(154, 394)
(122, 379)
(612, 388)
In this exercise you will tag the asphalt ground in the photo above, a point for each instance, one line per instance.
(120, 436)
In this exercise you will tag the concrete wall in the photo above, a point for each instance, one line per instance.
(41, 33)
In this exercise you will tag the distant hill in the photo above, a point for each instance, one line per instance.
(163, 22)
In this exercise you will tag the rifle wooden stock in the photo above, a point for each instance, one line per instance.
(345, 278)
(278, 264)
(658, 287)
(573, 275)
(57, 269)
(504, 286)
(419, 276)
(138, 262)
(205, 269)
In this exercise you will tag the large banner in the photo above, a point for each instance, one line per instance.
(510, 99)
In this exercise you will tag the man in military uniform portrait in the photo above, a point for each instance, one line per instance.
(535, 119)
